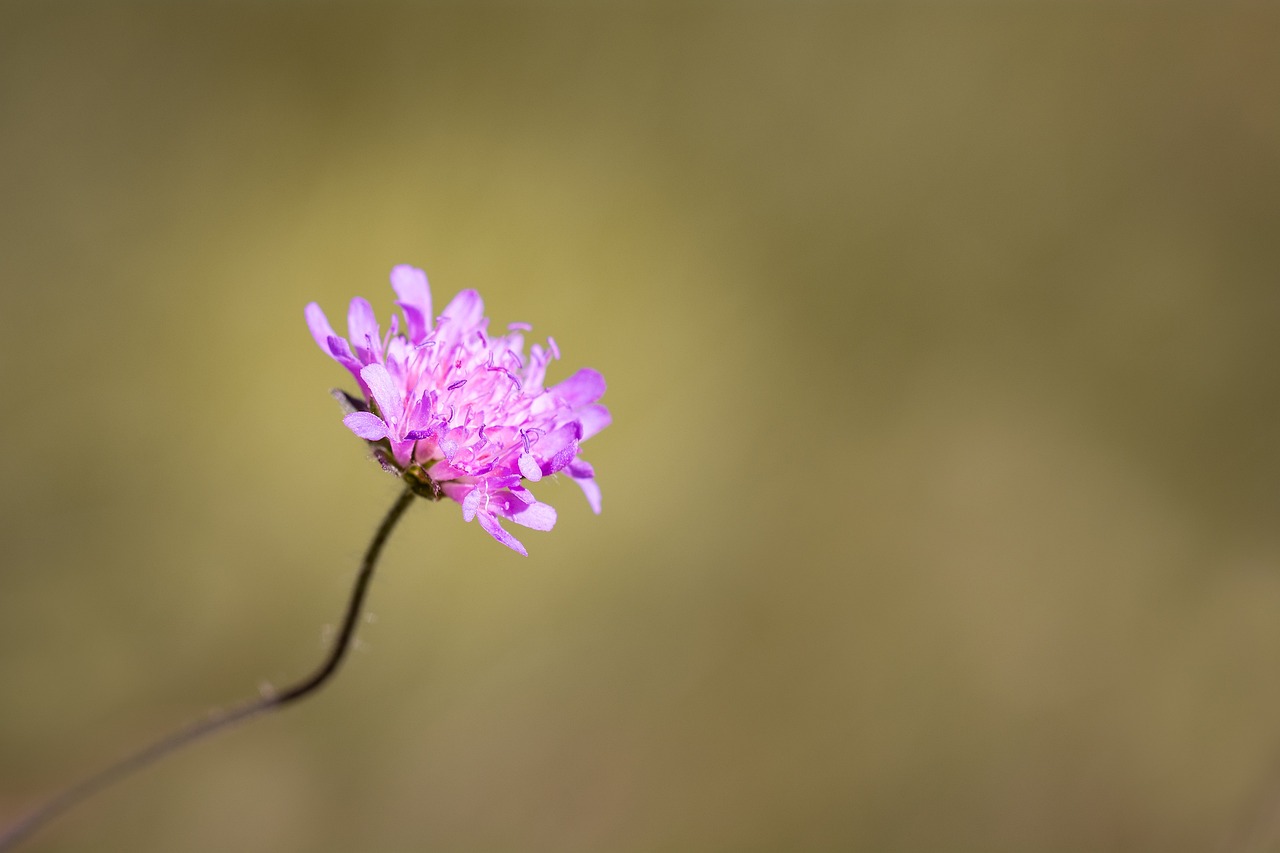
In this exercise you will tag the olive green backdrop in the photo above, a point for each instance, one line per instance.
(940, 502)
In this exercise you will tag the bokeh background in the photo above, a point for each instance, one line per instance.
(941, 496)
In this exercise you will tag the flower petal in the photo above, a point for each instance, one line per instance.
(558, 447)
(402, 451)
(580, 469)
(362, 329)
(410, 284)
(318, 323)
(594, 418)
(521, 494)
(384, 391)
(561, 459)
(529, 468)
(442, 471)
(368, 426)
(536, 516)
(592, 491)
(455, 491)
(585, 386)
(340, 351)
(464, 310)
(471, 503)
(559, 438)
(490, 524)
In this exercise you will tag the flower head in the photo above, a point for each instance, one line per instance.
(460, 413)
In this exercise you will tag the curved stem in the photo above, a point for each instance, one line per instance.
(225, 719)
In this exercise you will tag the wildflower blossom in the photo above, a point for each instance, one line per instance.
(460, 414)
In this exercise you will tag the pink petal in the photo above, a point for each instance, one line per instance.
(402, 451)
(318, 323)
(368, 426)
(537, 516)
(410, 284)
(362, 329)
(415, 320)
(384, 391)
(594, 418)
(457, 491)
(522, 494)
(562, 458)
(471, 504)
(464, 310)
(559, 438)
(592, 491)
(491, 526)
(585, 386)
(529, 468)
(442, 471)
(340, 351)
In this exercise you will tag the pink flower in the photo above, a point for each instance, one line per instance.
(463, 415)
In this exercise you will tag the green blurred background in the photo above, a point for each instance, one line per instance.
(941, 497)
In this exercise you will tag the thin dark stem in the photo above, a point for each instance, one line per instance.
(224, 719)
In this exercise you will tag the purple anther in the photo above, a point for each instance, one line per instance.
(510, 375)
(455, 386)
(513, 354)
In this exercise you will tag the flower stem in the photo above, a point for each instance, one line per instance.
(219, 720)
